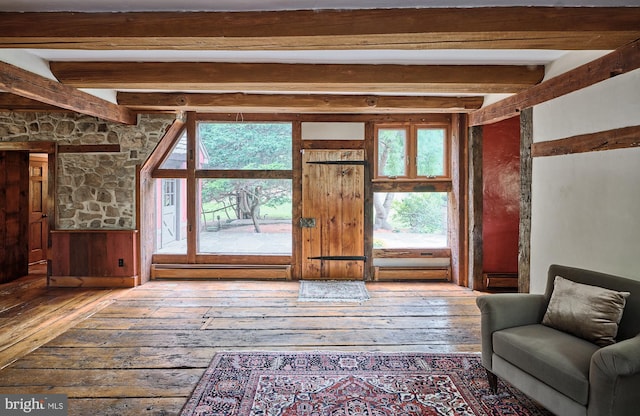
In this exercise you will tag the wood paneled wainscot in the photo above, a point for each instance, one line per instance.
(94, 258)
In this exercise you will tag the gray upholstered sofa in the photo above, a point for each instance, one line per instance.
(565, 373)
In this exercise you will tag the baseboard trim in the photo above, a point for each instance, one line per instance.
(94, 281)
(412, 273)
(221, 271)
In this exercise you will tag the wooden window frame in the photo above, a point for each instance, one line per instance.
(411, 152)
(447, 152)
(456, 145)
(407, 153)
(193, 174)
(412, 183)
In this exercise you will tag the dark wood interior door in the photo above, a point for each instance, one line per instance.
(38, 222)
(333, 214)
(14, 216)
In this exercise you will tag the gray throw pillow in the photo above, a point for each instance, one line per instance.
(589, 312)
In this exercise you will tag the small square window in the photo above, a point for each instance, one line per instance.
(430, 156)
(392, 152)
(411, 152)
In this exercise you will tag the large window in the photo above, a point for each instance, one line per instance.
(248, 216)
(410, 219)
(245, 200)
(231, 185)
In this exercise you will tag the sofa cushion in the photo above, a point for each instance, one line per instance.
(556, 358)
(590, 312)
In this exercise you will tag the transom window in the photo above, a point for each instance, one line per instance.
(411, 152)
(244, 146)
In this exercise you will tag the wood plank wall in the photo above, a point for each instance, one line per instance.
(94, 258)
(14, 218)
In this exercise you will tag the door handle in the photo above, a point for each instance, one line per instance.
(307, 222)
(44, 215)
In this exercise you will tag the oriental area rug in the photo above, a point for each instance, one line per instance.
(332, 291)
(352, 384)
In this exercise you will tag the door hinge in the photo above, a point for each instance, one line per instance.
(342, 258)
(339, 162)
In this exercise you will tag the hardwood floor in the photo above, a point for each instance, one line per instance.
(141, 351)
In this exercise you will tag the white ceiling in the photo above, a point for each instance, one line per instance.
(378, 56)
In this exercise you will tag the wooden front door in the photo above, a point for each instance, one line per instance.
(38, 222)
(333, 214)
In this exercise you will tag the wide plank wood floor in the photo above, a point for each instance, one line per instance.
(141, 351)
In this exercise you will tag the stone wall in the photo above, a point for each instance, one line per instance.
(93, 190)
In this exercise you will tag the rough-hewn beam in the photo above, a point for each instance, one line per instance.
(424, 28)
(252, 77)
(12, 102)
(526, 179)
(620, 61)
(475, 208)
(88, 148)
(35, 87)
(296, 103)
(30, 146)
(164, 146)
(593, 142)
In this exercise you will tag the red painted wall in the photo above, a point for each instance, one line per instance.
(501, 202)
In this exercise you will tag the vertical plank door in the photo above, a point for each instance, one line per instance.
(38, 223)
(333, 214)
(14, 217)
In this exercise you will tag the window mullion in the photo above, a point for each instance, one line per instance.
(412, 152)
(192, 195)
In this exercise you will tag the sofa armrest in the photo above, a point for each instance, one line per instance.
(506, 310)
(614, 379)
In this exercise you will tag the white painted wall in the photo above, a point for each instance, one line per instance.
(332, 131)
(586, 207)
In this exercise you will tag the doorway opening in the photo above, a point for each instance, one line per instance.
(27, 182)
(38, 207)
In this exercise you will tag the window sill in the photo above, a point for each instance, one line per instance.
(412, 185)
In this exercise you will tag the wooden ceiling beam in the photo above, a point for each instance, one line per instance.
(296, 103)
(568, 28)
(257, 77)
(35, 87)
(12, 102)
(618, 62)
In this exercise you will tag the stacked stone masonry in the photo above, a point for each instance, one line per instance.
(93, 190)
